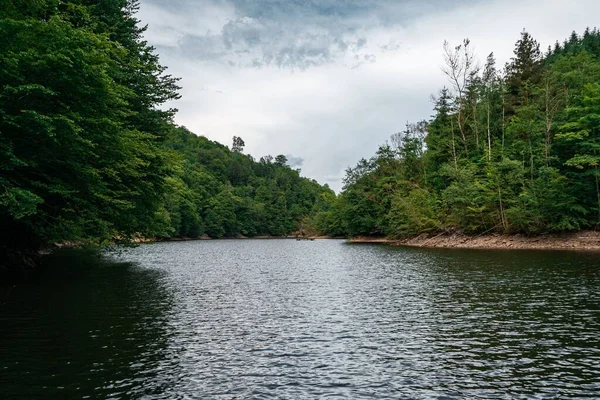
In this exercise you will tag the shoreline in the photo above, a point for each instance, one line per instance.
(204, 237)
(578, 241)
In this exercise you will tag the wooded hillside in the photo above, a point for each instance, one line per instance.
(513, 149)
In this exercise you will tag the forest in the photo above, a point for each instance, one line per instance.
(512, 150)
(219, 192)
(90, 155)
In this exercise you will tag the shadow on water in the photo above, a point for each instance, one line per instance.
(84, 328)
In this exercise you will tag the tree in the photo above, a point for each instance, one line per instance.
(238, 144)
(440, 139)
(80, 134)
(524, 69)
(413, 214)
(281, 160)
(490, 88)
(583, 135)
(268, 159)
(460, 68)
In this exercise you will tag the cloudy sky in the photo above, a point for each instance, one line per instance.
(326, 81)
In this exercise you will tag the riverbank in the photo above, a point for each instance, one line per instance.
(584, 240)
(206, 237)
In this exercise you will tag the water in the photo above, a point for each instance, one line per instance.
(238, 319)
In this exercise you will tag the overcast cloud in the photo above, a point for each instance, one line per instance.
(326, 81)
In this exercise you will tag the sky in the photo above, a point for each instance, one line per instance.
(325, 82)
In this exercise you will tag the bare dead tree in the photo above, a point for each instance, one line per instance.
(552, 103)
(460, 67)
(489, 80)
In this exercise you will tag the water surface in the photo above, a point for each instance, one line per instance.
(237, 319)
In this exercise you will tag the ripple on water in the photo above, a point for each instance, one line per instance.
(325, 319)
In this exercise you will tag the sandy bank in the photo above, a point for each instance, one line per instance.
(585, 240)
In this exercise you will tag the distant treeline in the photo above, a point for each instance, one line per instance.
(221, 192)
(511, 150)
(88, 155)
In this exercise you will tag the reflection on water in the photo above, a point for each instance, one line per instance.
(84, 329)
(287, 319)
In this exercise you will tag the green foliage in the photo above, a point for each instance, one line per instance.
(467, 200)
(413, 214)
(546, 205)
(80, 148)
(224, 193)
(588, 43)
(518, 153)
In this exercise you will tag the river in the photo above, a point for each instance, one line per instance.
(258, 319)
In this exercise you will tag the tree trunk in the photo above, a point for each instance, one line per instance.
(462, 130)
(503, 118)
(598, 194)
(453, 144)
(475, 128)
(531, 158)
(489, 131)
(548, 125)
(502, 217)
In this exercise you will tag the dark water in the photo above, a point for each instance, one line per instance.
(287, 319)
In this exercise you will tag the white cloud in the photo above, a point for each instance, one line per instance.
(303, 96)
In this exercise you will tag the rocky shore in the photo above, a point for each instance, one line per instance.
(584, 240)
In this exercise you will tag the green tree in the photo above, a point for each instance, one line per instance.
(76, 164)
(582, 133)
